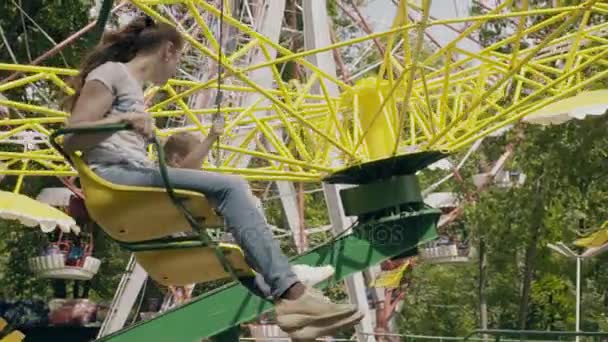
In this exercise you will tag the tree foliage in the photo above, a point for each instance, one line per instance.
(58, 20)
(566, 168)
(563, 198)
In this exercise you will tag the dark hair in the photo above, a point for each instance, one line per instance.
(140, 35)
(180, 144)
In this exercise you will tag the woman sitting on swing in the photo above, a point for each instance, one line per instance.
(109, 90)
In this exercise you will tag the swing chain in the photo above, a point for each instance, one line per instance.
(218, 96)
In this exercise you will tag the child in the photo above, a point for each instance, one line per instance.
(109, 90)
(184, 149)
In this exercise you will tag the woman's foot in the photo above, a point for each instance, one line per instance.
(312, 275)
(325, 328)
(311, 308)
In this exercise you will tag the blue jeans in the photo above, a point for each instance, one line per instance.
(234, 201)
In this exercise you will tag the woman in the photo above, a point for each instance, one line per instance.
(109, 90)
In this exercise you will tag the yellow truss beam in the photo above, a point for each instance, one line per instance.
(439, 100)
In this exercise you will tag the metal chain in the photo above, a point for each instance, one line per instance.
(218, 95)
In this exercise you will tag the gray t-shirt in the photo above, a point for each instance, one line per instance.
(123, 147)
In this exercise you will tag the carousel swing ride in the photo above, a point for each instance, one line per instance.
(373, 134)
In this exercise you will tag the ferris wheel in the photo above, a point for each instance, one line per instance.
(324, 113)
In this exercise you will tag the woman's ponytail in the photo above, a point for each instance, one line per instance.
(140, 35)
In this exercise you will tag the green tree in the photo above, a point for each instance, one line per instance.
(42, 24)
(511, 227)
(565, 167)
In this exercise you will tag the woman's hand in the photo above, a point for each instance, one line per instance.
(142, 123)
(217, 127)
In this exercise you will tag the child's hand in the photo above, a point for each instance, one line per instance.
(217, 127)
(142, 123)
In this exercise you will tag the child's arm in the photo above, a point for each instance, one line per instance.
(195, 158)
(3, 110)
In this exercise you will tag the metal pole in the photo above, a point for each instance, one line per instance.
(578, 296)
(316, 35)
(131, 283)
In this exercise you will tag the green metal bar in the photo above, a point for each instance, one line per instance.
(230, 335)
(102, 18)
(369, 198)
(369, 244)
(154, 246)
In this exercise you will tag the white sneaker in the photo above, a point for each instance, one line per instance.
(311, 275)
(312, 308)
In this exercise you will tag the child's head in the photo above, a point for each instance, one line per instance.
(178, 146)
(159, 44)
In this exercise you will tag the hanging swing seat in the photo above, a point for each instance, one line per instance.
(184, 266)
(148, 212)
(54, 266)
(447, 254)
(140, 219)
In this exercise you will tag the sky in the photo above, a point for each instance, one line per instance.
(376, 11)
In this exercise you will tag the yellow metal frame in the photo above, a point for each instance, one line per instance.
(440, 101)
(13, 336)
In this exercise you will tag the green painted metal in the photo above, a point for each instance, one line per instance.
(373, 171)
(373, 197)
(102, 19)
(369, 243)
(177, 243)
(230, 335)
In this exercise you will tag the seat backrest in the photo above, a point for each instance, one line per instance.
(131, 213)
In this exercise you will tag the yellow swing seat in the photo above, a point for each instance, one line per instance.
(192, 265)
(131, 214)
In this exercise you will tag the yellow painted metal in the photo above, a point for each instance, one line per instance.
(442, 99)
(14, 336)
(186, 266)
(392, 278)
(37, 69)
(380, 134)
(597, 239)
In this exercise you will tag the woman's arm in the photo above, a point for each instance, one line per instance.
(94, 102)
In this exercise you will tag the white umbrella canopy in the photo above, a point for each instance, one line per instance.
(442, 199)
(586, 103)
(32, 213)
(56, 197)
